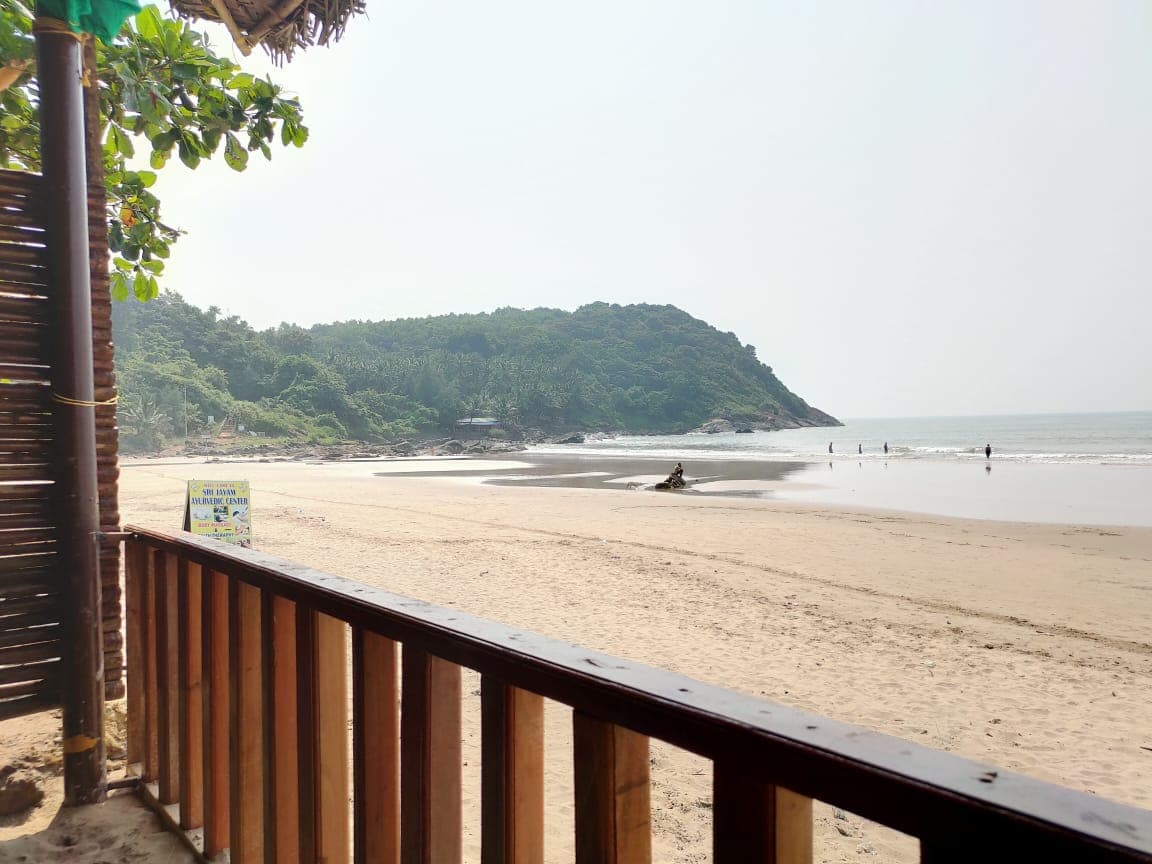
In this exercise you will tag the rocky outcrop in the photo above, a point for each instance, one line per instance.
(715, 426)
(769, 421)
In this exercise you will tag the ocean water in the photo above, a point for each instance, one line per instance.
(1090, 469)
(1097, 439)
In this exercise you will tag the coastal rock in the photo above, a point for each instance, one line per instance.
(453, 447)
(715, 426)
(574, 438)
(744, 430)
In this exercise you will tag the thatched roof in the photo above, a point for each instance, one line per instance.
(281, 26)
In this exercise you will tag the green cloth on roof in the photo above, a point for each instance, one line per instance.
(104, 18)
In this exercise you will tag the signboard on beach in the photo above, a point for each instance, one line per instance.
(220, 509)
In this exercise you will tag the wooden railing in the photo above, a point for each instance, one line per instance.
(238, 711)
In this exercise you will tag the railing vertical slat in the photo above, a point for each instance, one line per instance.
(757, 823)
(217, 699)
(376, 749)
(148, 600)
(135, 574)
(512, 774)
(612, 793)
(246, 771)
(333, 837)
(306, 729)
(168, 670)
(285, 798)
(430, 769)
(191, 697)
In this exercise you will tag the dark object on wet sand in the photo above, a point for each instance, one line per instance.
(674, 481)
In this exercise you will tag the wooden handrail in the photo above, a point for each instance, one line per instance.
(961, 810)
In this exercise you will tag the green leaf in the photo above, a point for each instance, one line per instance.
(124, 141)
(301, 136)
(164, 140)
(188, 155)
(153, 266)
(146, 178)
(211, 140)
(119, 287)
(158, 159)
(115, 234)
(185, 71)
(149, 23)
(241, 81)
(234, 153)
(141, 288)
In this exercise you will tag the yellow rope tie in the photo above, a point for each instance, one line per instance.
(44, 24)
(82, 403)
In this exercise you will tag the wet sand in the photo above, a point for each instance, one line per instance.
(1027, 646)
(1004, 490)
(724, 477)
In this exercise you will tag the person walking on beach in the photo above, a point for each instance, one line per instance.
(885, 448)
(987, 451)
(829, 446)
(860, 449)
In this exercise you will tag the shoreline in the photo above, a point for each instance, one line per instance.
(1108, 496)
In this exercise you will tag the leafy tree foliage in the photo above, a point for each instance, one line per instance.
(163, 92)
(627, 368)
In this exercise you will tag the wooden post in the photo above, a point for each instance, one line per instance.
(191, 697)
(512, 774)
(306, 729)
(135, 569)
(283, 737)
(151, 744)
(58, 66)
(217, 699)
(168, 677)
(756, 823)
(376, 743)
(333, 839)
(613, 798)
(430, 778)
(247, 769)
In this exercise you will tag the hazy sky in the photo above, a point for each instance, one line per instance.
(909, 208)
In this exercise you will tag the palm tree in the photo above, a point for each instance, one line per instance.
(143, 426)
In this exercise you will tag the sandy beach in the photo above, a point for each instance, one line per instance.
(1027, 646)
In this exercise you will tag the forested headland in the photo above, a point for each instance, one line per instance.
(628, 369)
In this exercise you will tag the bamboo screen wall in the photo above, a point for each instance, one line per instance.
(30, 646)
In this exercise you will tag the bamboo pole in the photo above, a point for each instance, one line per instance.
(66, 221)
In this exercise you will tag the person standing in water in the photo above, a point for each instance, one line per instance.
(885, 448)
(860, 449)
(987, 451)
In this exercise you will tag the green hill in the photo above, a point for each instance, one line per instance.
(603, 367)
